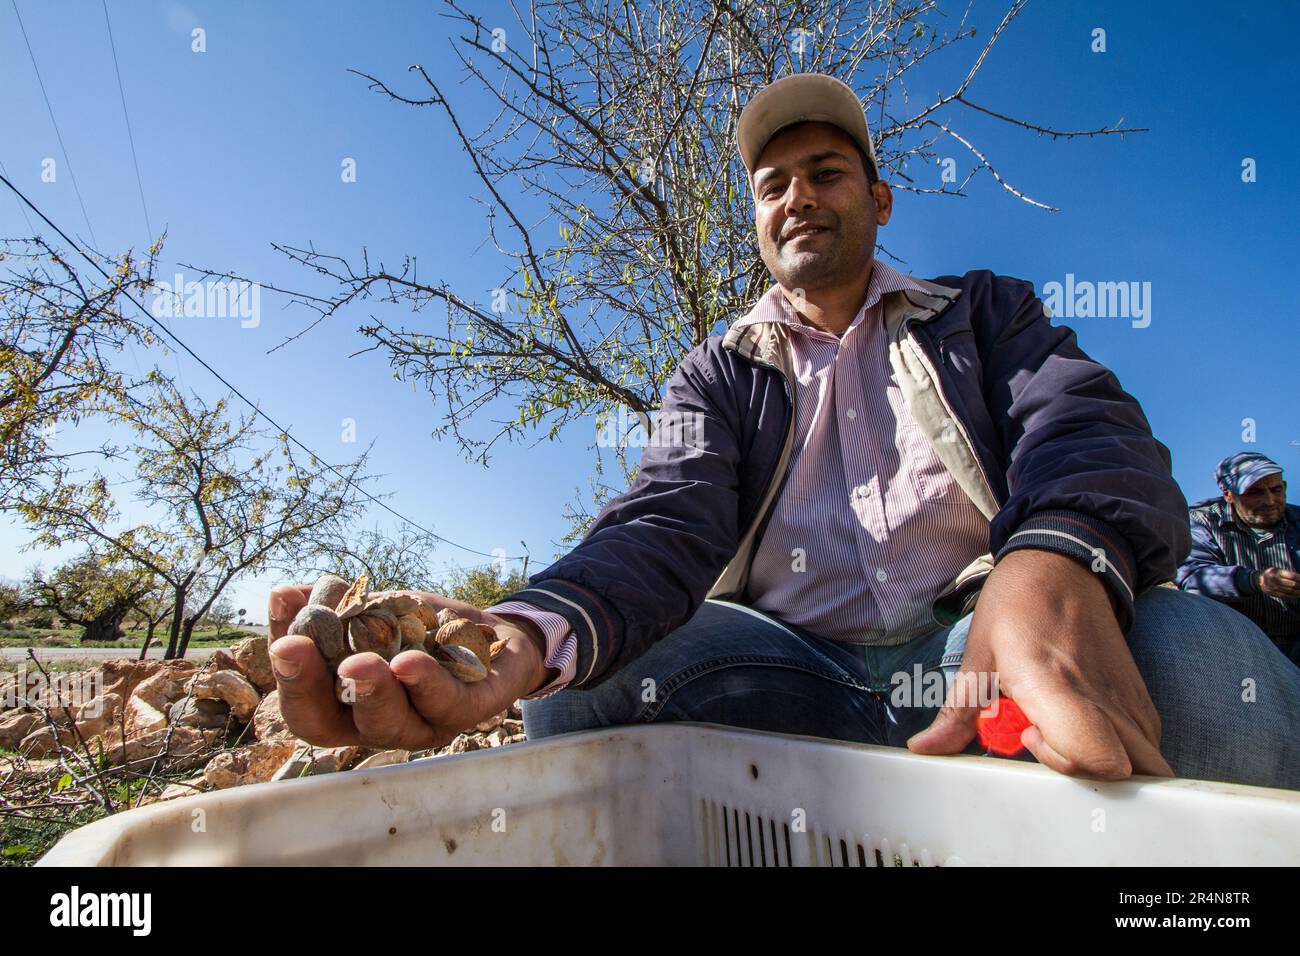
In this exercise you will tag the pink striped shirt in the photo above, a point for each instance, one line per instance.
(870, 525)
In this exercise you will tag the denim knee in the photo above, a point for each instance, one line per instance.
(563, 713)
(1228, 699)
(722, 645)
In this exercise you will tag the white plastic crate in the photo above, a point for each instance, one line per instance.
(699, 794)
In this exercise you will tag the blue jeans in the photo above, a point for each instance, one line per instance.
(1228, 699)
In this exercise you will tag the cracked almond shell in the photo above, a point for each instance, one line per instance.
(376, 631)
(427, 614)
(477, 638)
(351, 603)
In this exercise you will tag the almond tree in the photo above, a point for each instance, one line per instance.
(12, 600)
(218, 504)
(220, 614)
(391, 562)
(614, 194)
(59, 333)
(91, 591)
(484, 585)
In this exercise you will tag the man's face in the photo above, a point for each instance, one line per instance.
(811, 175)
(1261, 505)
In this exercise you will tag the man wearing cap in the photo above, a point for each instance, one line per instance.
(1246, 548)
(868, 453)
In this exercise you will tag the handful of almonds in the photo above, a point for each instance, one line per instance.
(343, 620)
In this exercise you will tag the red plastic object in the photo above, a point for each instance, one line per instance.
(1000, 734)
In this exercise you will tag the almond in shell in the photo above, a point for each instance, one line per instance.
(326, 631)
(377, 631)
(412, 630)
(460, 662)
(477, 638)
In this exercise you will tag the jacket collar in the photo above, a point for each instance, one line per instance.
(911, 305)
(767, 342)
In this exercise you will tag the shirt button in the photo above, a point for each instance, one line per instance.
(861, 491)
(881, 576)
(851, 414)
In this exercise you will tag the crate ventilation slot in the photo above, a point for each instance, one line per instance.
(736, 836)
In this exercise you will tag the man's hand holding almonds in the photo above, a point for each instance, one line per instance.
(404, 670)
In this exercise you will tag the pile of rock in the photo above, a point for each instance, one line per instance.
(125, 721)
(278, 755)
(221, 718)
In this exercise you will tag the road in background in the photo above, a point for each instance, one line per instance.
(98, 653)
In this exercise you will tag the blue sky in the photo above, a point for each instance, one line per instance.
(241, 146)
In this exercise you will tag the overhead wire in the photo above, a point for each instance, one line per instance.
(67, 161)
(139, 181)
(21, 208)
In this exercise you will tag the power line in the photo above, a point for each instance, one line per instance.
(474, 567)
(135, 159)
(21, 208)
(127, 116)
(244, 398)
(67, 161)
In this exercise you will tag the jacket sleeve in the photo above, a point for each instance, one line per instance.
(647, 561)
(1085, 476)
(1206, 571)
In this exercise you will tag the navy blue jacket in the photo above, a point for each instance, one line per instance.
(1065, 451)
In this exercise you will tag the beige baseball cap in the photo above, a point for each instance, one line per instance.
(795, 99)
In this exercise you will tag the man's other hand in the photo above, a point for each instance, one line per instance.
(1045, 626)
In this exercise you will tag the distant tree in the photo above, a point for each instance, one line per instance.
(220, 614)
(482, 586)
(391, 562)
(93, 591)
(12, 601)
